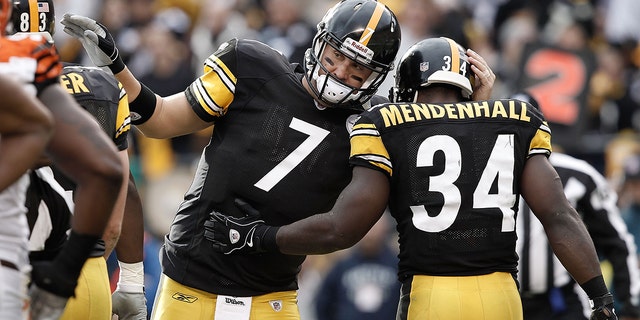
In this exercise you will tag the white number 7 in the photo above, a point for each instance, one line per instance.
(316, 135)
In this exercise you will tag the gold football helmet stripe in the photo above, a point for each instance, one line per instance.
(33, 16)
(373, 22)
(455, 56)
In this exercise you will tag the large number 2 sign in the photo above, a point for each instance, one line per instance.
(500, 165)
(564, 76)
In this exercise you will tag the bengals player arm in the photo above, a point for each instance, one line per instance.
(25, 129)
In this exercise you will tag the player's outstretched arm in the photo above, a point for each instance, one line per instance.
(157, 117)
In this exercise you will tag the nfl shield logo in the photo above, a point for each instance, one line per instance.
(424, 66)
(276, 305)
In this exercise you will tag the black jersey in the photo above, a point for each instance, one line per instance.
(49, 207)
(98, 92)
(455, 172)
(271, 146)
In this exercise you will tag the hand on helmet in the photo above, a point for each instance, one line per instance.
(485, 78)
(238, 235)
(96, 40)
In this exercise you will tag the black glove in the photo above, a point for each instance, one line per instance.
(602, 308)
(95, 39)
(248, 234)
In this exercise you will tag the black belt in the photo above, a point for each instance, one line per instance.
(9, 265)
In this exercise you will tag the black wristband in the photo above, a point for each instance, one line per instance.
(595, 287)
(75, 252)
(117, 65)
(143, 106)
(269, 240)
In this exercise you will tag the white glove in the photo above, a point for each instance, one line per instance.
(129, 306)
(96, 40)
(45, 305)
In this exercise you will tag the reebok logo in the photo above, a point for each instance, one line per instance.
(233, 301)
(184, 297)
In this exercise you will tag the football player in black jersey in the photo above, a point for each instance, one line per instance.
(450, 170)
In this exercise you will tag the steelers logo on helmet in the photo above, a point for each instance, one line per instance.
(364, 31)
(33, 16)
(432, 61)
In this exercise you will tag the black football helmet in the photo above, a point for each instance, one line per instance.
(367, 32)
(430, 61)
(33, 16)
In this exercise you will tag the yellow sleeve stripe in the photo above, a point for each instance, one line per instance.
(366, 144)
(205, 98)
(215, 88)
(124, 127)
(123, 117)
(223, 72)
(123, 93)
(373, 22)
(541, 142)
(378, 162)
(364, 126)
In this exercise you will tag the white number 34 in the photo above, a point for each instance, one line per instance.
(500, 165)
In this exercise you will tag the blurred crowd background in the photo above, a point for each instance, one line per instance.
(578, 58)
